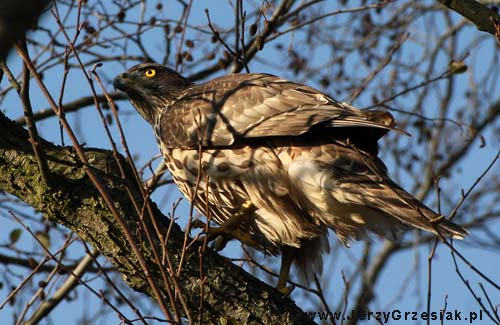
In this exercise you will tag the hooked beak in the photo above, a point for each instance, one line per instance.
(121, 81)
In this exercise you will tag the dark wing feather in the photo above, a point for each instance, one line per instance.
(223, 110)
(364, 182)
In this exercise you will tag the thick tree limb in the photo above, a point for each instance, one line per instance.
(475, 12)
(15, 18)
(229, 293)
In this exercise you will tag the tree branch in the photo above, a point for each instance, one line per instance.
(475, 12)
(229, 293)
(72, 106)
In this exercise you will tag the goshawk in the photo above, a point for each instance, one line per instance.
(276, 163)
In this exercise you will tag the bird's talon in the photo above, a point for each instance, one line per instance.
(248, 205)
(285, 291)
(218, 236)
(220, 242)
(198, 224)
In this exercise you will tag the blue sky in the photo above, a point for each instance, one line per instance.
(408, 268)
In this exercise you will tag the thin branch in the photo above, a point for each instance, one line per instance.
(72, 106)
(73, 280)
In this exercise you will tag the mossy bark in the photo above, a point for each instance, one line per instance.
(230, 294)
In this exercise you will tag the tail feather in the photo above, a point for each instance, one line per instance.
(309, 260)
(396, 202)
(451, 229)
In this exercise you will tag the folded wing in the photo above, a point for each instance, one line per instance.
(235, 107)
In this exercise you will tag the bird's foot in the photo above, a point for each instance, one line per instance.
(285, 291)
(287, 255)
(221, 235)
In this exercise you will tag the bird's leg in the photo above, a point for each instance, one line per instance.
(234, 221)
(287, 255)
(228, 229)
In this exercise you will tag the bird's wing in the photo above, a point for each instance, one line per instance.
(223, 110)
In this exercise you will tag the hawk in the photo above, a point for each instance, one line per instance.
(276, 163)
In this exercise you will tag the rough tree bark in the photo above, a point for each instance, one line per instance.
(229, 293)
(485, 19)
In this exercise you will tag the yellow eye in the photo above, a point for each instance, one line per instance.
(150, 73)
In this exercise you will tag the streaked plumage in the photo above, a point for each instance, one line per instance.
(304, 161)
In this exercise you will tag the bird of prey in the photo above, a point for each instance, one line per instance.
(276, 163)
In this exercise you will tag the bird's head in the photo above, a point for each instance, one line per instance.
(151, 87)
